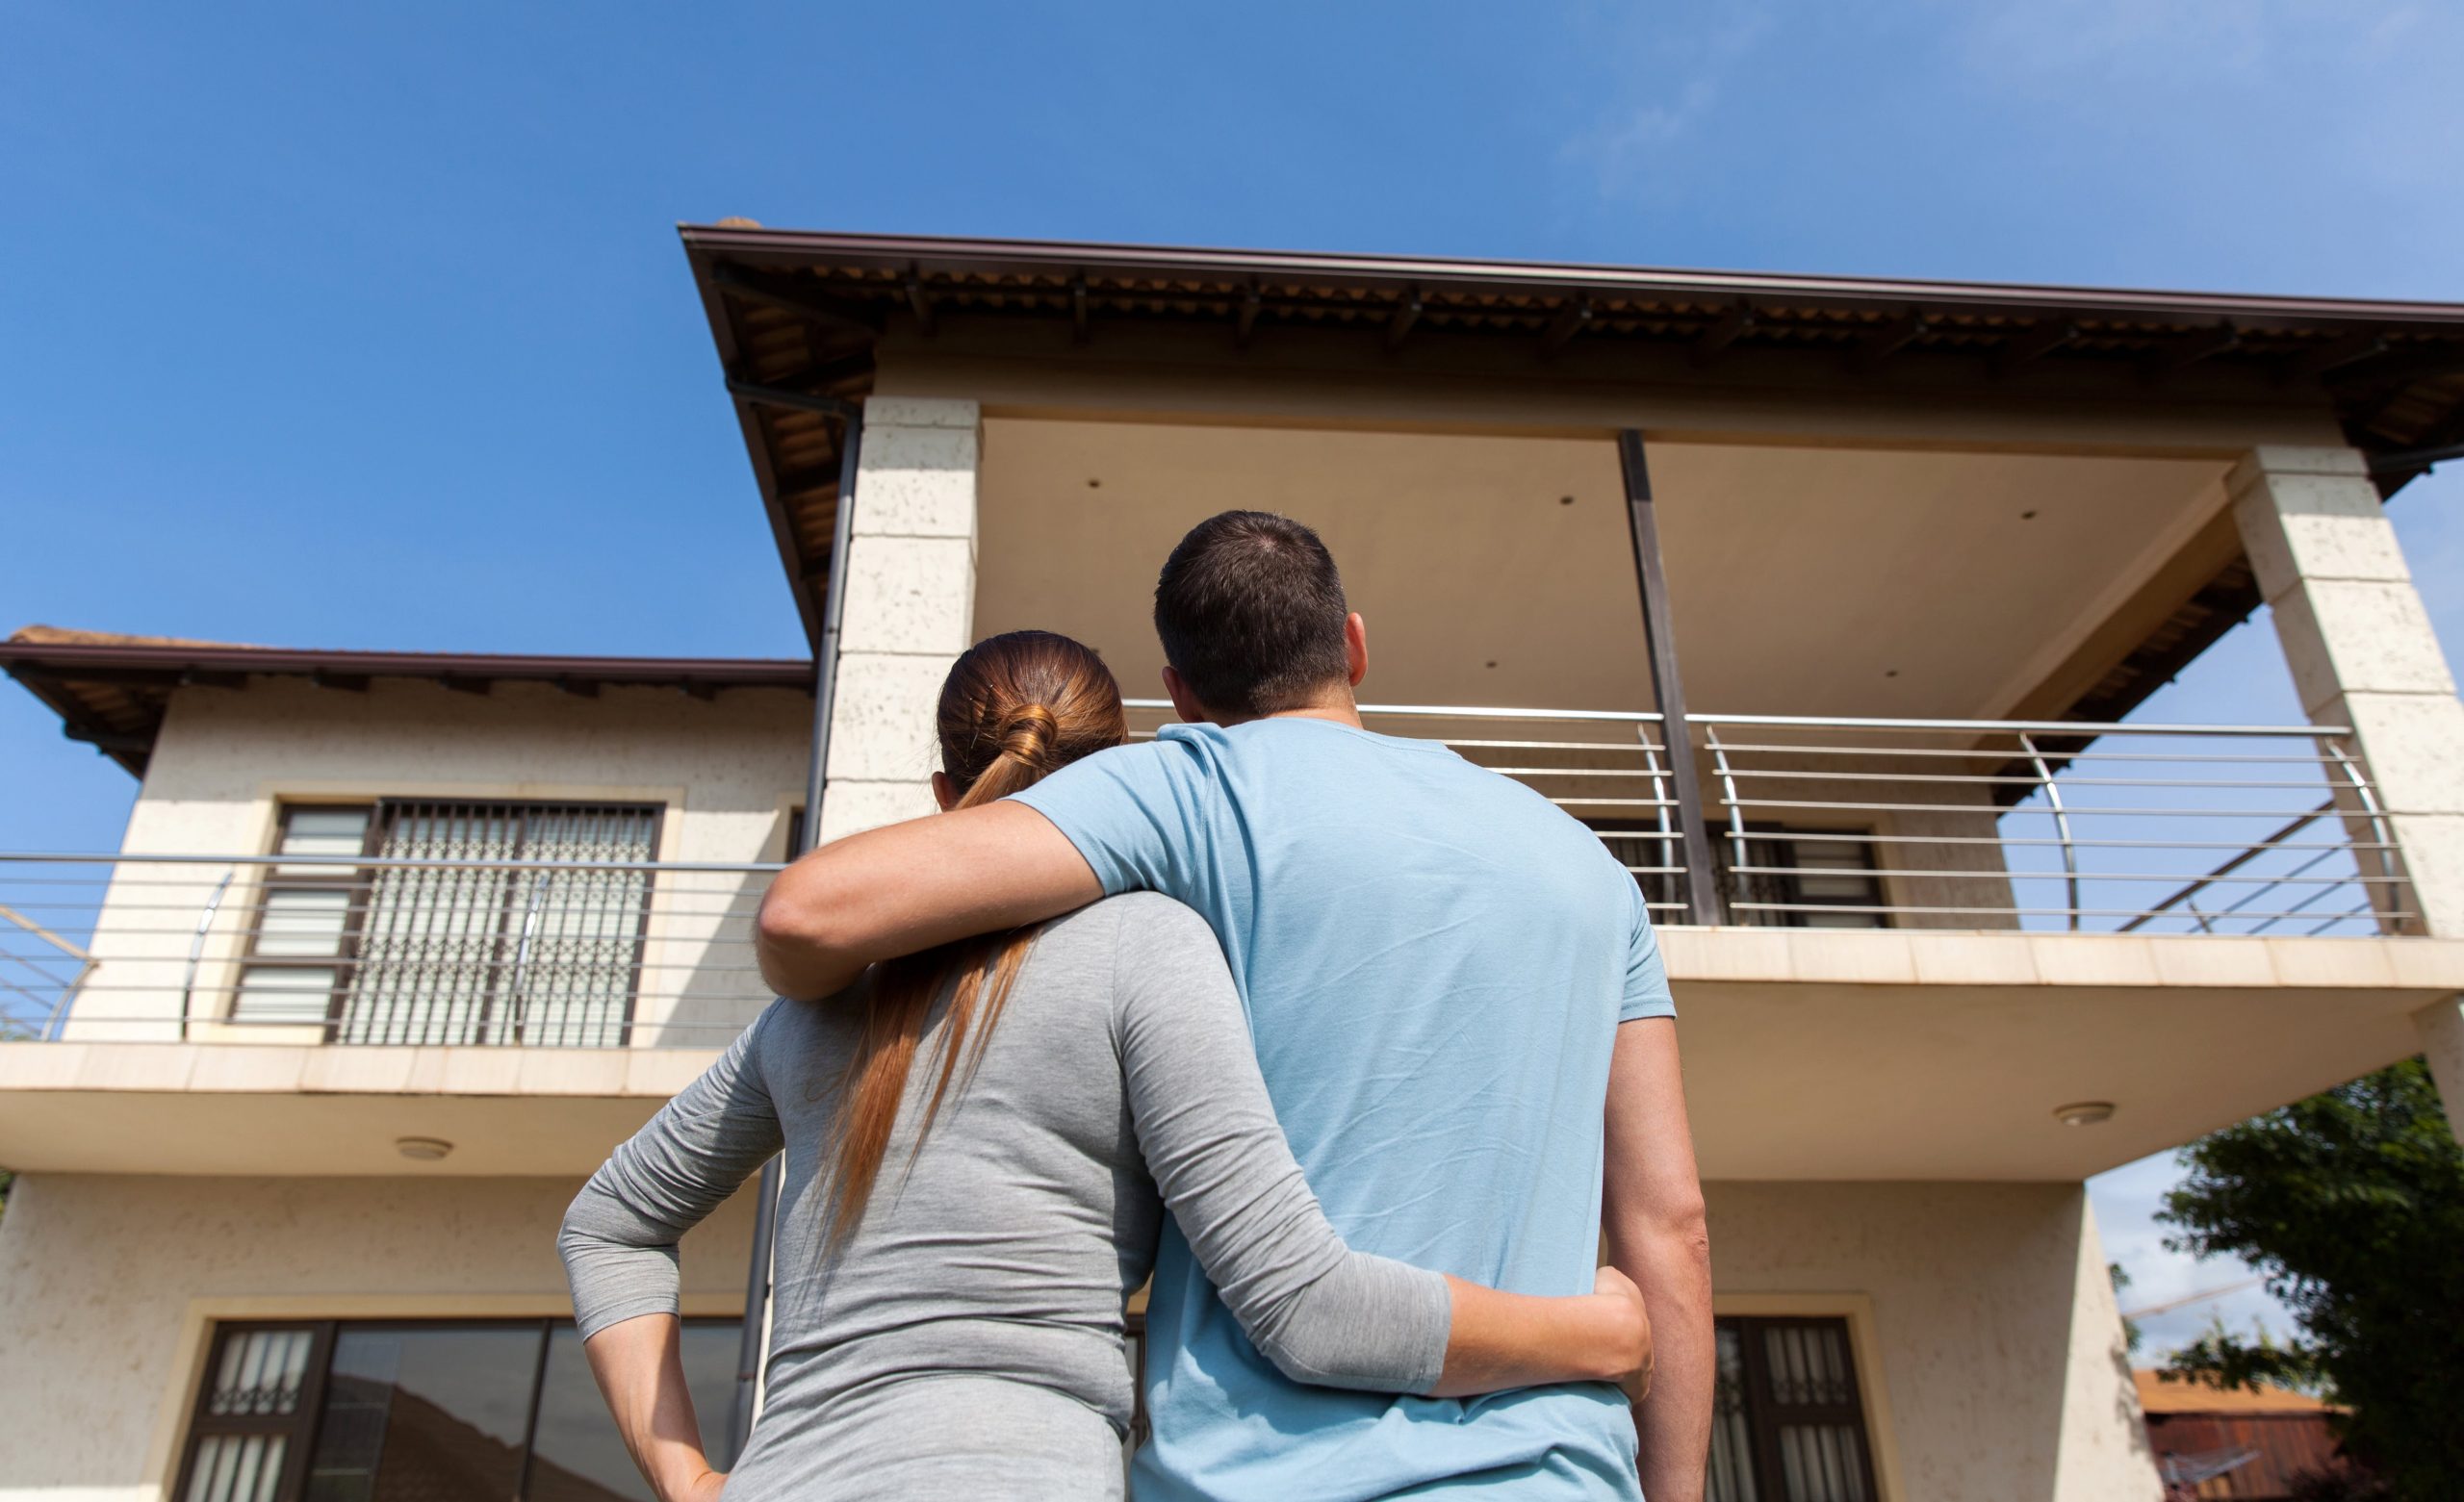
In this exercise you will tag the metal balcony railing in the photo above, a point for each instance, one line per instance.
(1915, 824)
(352, 949)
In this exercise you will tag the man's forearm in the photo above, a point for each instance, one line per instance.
(908, 887)
(1672, 1265)
(640, 1366)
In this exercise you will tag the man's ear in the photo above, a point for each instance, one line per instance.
(1184, 702)
(1355, 647)
(944, 791)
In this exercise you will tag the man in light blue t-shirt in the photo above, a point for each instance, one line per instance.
(1459, 1006)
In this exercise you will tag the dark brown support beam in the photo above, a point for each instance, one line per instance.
(1573, 320)
(695, 688)
(820, 375)
(208, 677)
(468, 685)
(1659, 636)
(1081, 328)
(1400, 327)
(108, 741)
(1252, 303)
(2192, 348)
(578, 688)
(797, 401)
(1725, 330)
(921, 304)
(344, 682)
(2034, 344)
(2334, 355)
(745, 284)
(1888, 340)
(819, 476)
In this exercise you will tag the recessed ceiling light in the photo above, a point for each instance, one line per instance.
(1565, 500)
(2084, 1113)
(2027, 516)
(422, 1150)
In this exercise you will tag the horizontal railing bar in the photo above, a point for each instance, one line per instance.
(2031, 842)
(2015, 912)
(1466, 712)
(2063, 876)
(2023, 726)
(400, 862)
(1977, 753)
(1816, 775)
(1842, 806)
(1634, 747)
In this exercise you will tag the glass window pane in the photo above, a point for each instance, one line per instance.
(284, 994)
(322, 831)
(260, 1374)
(422, 1414)
(304, 922)
(578, 1455)
(237, 1467)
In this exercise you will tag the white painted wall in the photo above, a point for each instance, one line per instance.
(1989, 1317)
(107, 1282)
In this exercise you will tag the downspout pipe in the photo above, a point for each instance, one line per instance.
(752, 1346)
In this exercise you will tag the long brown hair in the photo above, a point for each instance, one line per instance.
(1014, 708)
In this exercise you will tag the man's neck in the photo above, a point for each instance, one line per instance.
(1341, 711)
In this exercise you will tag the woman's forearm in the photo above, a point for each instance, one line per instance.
(1498, 1340)
(640, 1367)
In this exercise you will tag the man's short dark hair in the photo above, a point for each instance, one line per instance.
(1252, 614)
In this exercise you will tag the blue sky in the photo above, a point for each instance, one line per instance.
(360, 326)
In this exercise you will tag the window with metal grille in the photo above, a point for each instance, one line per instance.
(428, 1411)
(1788, 1423)
(1812, 878)
(518, 933)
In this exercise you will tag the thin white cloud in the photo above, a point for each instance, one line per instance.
(1680, 77)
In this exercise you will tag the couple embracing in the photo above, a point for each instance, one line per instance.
(1365, 1053)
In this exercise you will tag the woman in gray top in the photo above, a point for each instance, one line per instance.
(956, 1242)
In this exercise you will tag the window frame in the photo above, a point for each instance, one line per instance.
(356, 882)
(1764, 1414)
(1792, 882)
(362, 882)
(301, 1427)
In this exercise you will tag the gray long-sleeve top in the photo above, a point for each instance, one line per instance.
(1119, 1081)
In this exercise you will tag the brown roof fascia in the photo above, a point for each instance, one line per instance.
(68, 659)
(901, 253)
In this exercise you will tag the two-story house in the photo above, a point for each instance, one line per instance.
(1828, 603)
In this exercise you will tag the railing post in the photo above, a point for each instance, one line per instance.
(196, 946)
(1659, 636)
(2061, 823)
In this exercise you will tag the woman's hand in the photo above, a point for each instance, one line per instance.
(1631, 1326)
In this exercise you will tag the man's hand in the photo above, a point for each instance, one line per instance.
(911, 886)
(1636, 1378)
(1653, 1214)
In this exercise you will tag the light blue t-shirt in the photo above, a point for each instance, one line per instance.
(1435, 960)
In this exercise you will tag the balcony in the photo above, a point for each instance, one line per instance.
(1913, 923)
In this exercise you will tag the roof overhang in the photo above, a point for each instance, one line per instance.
(111, 692)
(797, 318)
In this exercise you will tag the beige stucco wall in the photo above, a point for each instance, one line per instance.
(106, 1281)
(727, 769)
(1987, 1341)
(1985, 1309)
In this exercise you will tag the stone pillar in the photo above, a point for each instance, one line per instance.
(910, 607)
(2363, 654)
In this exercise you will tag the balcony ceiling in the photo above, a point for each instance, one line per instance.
(1499, 570)
(798, 316)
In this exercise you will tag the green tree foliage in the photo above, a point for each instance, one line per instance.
(2351, 1204)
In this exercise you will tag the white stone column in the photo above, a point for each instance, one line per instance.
(910, 607)
(2363, 654)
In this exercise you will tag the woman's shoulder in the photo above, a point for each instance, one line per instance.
(1142, 921)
